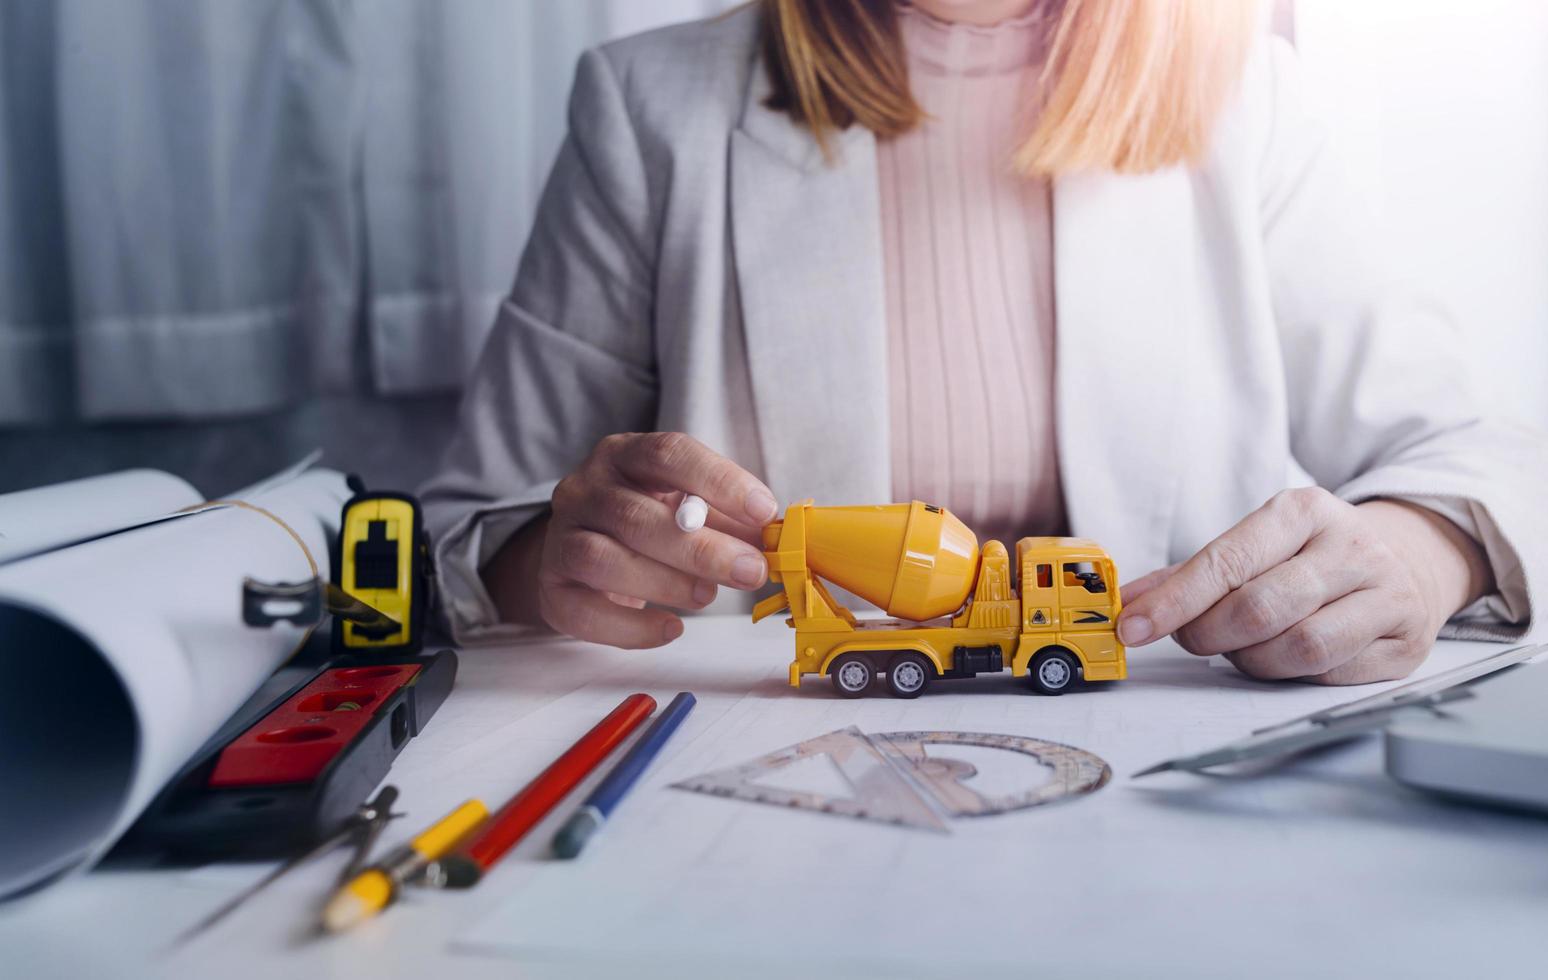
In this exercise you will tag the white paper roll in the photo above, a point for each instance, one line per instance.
(33, 521)
(124, 654)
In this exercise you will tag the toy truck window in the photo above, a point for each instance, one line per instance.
(1045, 576)
(1085, 575)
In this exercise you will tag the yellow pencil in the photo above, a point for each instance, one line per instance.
(374, 888)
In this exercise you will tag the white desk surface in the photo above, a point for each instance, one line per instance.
(1321, 866)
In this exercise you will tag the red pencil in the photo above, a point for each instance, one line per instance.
(528, 807)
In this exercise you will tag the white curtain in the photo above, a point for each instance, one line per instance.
(222, 207)
(1441, 112)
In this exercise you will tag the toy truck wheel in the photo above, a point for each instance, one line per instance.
(852, 675)
(1053, 671)
(908, 675)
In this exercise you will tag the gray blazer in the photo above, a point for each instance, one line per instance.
(697, 266)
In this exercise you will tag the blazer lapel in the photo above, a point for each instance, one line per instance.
(807, 253)
(1123, 261)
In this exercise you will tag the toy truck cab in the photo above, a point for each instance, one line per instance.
(956, 610)
(1070, 606)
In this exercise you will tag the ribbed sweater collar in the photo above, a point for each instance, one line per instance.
(946, 48)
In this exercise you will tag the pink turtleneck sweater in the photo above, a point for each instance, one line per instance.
(969, 283)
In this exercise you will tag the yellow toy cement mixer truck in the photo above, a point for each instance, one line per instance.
(957, 611)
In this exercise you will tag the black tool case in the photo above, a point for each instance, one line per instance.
(193, 819)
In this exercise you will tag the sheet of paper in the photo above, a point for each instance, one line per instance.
(33, 521)
(123, 654)
(744, 888)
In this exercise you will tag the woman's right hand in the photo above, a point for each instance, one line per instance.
(612, 554)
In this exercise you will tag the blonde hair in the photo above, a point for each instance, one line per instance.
(1131, 86)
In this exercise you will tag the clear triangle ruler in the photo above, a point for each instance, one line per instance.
(879, 791)
(907, 779)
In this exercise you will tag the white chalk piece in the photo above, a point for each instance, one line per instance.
(692, 512)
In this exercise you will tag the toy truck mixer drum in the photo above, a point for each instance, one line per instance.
(915, 561)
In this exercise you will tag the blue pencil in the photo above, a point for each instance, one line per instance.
(594, 811)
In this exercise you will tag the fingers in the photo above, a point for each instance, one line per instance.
(674, 461)
(1304, 587)
(1133, 590)
(1324, 641)
(599, 561)
(1387, 659)
(1271, 603)
(647, 525)
(742, 532)
(612, 549)
(587, 614)
(1269, 535)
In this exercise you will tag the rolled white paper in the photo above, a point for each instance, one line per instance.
(125, 653)
(34, 521)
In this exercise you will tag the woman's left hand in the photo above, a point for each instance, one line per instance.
(1308, 586)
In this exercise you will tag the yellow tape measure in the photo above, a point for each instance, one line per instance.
(383, 560)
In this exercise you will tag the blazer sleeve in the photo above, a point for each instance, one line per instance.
(570, 358)
(1381, 401)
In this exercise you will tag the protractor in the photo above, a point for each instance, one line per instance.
(927, 757)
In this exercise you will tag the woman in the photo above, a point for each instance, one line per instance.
(1082, 266)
